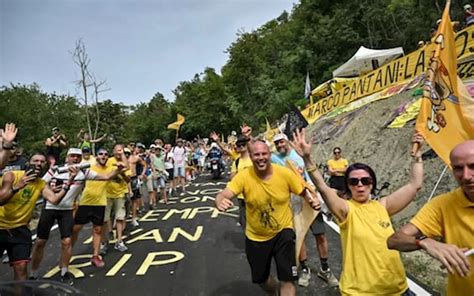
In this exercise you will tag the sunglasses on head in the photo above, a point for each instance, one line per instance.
(364, 180)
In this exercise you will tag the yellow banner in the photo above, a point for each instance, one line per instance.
(175, 125)
(440, 119)
(397, 71)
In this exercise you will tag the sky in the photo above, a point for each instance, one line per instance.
(140, 47)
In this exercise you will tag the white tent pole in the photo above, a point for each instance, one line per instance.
(437, 182)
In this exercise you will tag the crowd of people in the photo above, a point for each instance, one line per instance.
(96, 187)
(87, 185)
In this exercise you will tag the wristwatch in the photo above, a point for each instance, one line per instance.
(419, 239)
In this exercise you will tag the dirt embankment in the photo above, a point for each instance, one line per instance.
(363, 137)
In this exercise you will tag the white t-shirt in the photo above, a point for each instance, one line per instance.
(67, 202)
(169, 160)
(179, 156)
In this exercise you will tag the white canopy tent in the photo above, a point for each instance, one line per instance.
(366, 60)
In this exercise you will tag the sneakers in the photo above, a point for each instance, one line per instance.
(305, 276)
(328, 277)
(120, 246)
(67, 279)
(103, 248)
(97, 261)
(135, 223)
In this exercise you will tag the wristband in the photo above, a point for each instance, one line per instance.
(418, 241)
(14, 190)
(66, 187)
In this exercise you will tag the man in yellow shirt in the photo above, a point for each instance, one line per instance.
(18, 195)
(92, 205)
(269, 232)
(450, 216)
(337, 167)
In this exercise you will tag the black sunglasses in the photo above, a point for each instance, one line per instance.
(103, 153)
(337, 152)
(364, 180)
(241, 144)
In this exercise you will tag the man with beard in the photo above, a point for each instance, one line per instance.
(269, 231)
(63, 212)
(286, 153)
(18, 195)
(92, 205)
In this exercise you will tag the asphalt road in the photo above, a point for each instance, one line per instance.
(184, 248)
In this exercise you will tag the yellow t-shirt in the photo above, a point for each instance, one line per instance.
(234, 154)
(19, 209)
(369, 267)
(267, 202)
(339, 164)
(91, 160)
(243, 164)
(117, 187)
(451, 216)
(95, 192)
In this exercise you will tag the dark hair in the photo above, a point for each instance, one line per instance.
(360, 166)
(37, 153)
(336, 148)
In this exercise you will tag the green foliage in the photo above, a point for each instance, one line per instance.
(265, 73)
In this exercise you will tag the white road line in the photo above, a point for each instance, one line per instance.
(417, 289)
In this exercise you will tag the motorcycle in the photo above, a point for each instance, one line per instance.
(215, 168)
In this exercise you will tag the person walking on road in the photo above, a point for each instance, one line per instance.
(269, 230)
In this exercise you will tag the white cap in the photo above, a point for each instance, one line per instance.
(279, 137)
(467, 6)
(152, 146)
(75, 151)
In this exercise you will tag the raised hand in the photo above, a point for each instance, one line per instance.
(214, 136)
(299, 143)
(417, 141)
(9, 133)
(246, 130)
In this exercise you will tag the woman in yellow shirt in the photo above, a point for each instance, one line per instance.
(369, 267)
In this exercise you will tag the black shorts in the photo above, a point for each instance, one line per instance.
(282, 247)
(170, 174)
(338, 182)
(17, 242)
(46, 222)
(135, 188)
(318, 226)
(86, 214)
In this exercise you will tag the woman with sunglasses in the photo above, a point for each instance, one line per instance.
(369, 267)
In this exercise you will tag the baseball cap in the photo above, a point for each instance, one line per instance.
(141, 145)
(279, 137)
(127, 150)
(152, 146)
(55, 128)
(242, 140)
(86, 149)
(467, 6)
(75, 151)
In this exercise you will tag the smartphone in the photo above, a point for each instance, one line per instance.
(30, 170)
(295, 121)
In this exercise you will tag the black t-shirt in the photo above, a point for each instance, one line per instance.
(18, 164)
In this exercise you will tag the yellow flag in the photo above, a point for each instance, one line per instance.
(269, 133)
(175, 125)
(440, 120)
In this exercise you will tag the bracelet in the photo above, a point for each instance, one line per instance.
(418, 241)
(14, 190)
(311, 169)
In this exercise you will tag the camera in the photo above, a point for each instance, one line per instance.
(30, 170)
(64, 169)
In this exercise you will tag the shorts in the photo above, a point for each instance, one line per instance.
(65, 222)
(338, 182)
(159, 183)
(170, 174)
(135, 184)
(17, 242)
(116, 206)
(282, 247)
(86, 214)
(318, 226)
(178, 171)
(149, 183)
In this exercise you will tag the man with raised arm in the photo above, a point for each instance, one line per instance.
(269, 231)
(449, 216)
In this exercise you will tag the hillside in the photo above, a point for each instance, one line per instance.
(363, 138)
